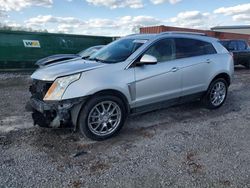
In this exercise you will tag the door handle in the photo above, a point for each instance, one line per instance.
(208, 61)
(174, 69)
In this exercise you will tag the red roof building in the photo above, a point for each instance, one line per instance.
(216, 34)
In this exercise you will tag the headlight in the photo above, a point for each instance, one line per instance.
(59, 86)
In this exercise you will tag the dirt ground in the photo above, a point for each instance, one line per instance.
(183, 146)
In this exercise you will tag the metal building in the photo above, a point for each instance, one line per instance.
(240, 29)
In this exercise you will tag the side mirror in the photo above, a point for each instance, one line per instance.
(147, 60)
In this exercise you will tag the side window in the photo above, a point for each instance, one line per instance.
(163, 50)
(241, 45)
(192, 47)
(232, 45)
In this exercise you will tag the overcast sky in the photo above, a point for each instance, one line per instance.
(121, 17)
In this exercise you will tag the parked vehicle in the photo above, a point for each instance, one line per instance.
(63, 57)
(134, 74)
(240, 50)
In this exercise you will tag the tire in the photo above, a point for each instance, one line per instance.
(98, 124)
(215, 98)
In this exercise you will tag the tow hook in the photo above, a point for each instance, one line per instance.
(40, 120)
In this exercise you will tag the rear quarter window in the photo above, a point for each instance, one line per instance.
(192, 47)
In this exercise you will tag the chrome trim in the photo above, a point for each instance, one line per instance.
(132, 90)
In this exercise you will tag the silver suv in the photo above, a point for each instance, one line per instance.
(134, 74)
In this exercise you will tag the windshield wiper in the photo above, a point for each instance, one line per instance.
(85, 57)
(94, 59)
(98, 60)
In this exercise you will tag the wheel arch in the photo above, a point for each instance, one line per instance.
(224, 76)
(114, 93)
(99, 93)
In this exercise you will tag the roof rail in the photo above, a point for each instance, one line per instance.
(183, 32)
(131, 34)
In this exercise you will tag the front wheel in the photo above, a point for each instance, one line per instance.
(102, 117)
(216, 94)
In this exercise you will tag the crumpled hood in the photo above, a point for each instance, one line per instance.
(55, 58)
(53, 71)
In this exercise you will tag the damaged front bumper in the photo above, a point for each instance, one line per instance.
(55, 114)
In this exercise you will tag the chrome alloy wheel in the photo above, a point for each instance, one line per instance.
(104, 118)
(218, 93)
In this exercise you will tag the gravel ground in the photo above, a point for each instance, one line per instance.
(183, 146)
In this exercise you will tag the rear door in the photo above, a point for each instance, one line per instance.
(243, 52)
(196, 59)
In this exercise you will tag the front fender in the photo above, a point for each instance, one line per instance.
(92, 82)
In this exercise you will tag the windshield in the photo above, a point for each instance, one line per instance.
(117, 51)
(89, 51)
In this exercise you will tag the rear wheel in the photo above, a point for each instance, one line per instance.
(216, 94)
(102, 117)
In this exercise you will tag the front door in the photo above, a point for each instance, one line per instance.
(162, 81)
